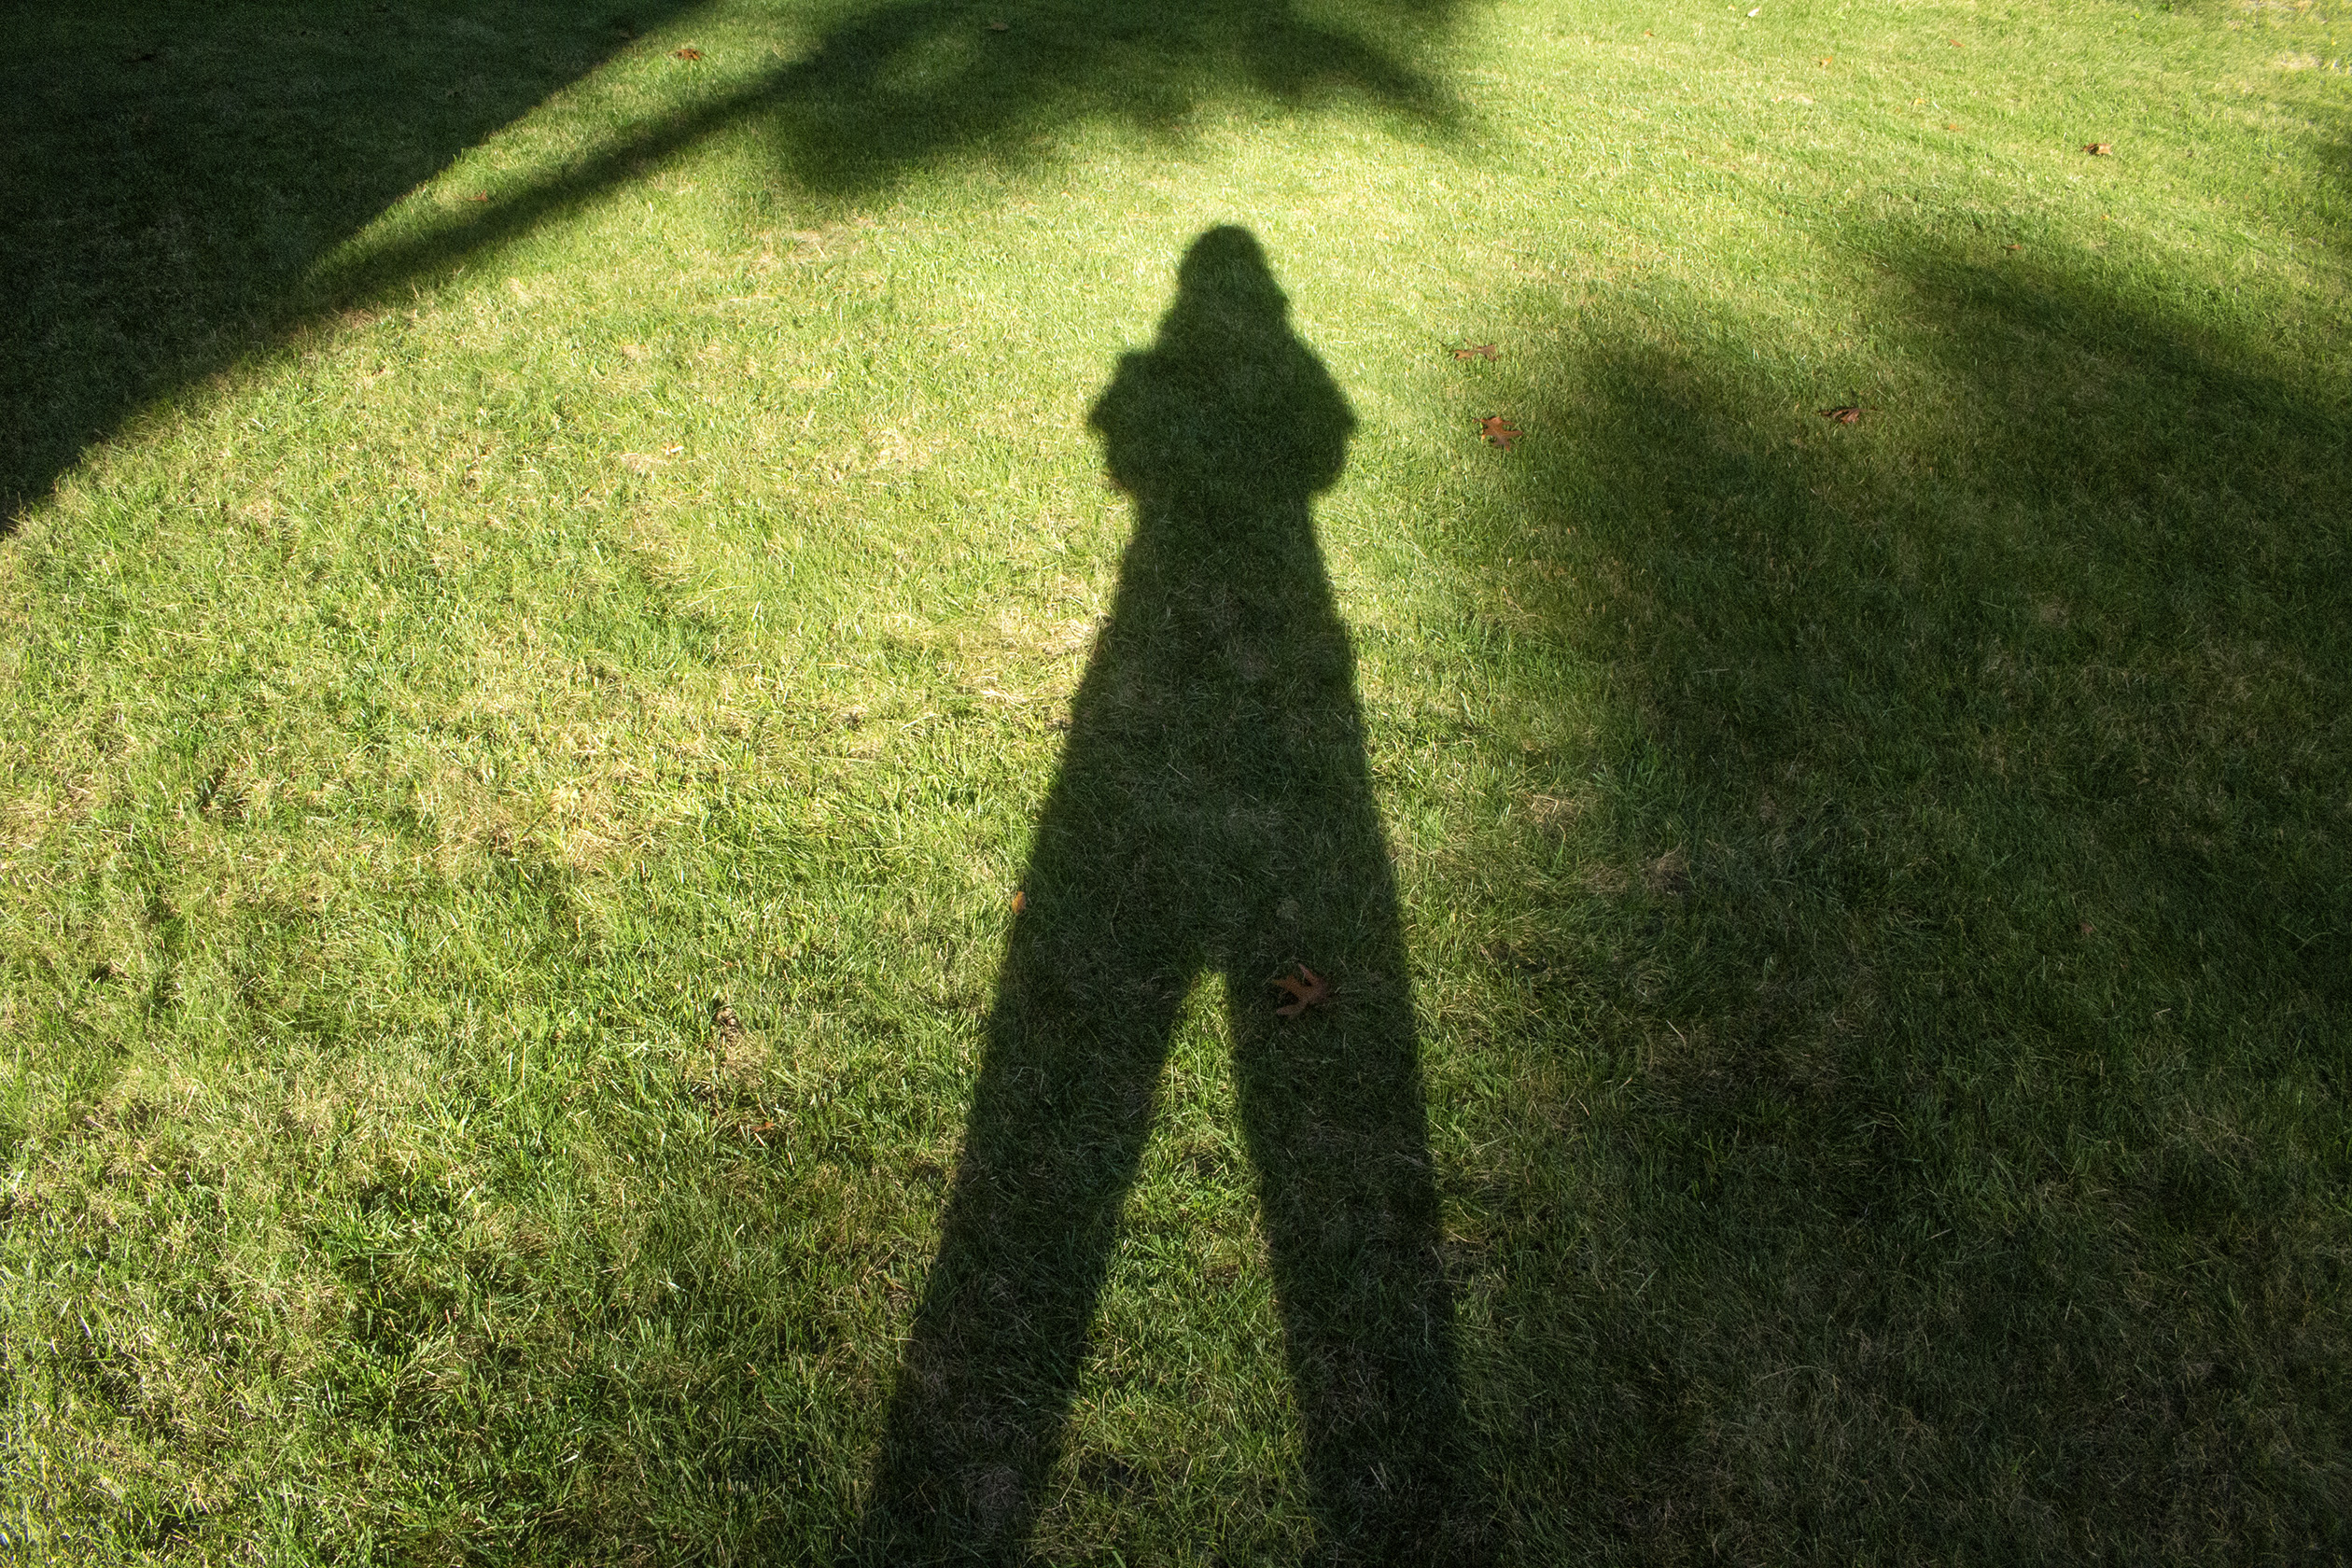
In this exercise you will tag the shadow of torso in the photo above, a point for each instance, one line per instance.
(1213, 812)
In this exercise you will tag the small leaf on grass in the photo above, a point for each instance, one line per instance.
(673, 451)
(1308, 990)
(2098, 150)
(1021, 900)
(2088, 927)
(1498, 430)
(2012, 247)
(1482, 351)
(999, 26)
(1842, 415)
(479, 196)
(687, 53)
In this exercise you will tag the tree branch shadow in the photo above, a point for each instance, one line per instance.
(173, 199)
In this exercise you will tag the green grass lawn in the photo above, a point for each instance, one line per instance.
(671, 679)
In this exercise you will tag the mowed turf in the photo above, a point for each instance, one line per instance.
(671, 679)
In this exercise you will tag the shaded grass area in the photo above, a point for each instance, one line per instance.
(1984, 1050)
(1850, 976)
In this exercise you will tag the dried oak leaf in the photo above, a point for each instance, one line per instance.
(686, 53)
(2098, 150)
(1498, 430)
(1482, 351)
(1307, 991)
(1842, 415)
(1021, 900)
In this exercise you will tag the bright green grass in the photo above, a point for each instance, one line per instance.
(1877, 898)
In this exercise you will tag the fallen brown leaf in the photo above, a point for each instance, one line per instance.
(479, 196)
(687, 54)
(1482, 351)
(1308, 990)
(999, 26)
(1021, 900)
(1495, 428)
(2098, 150)
(1842, 415)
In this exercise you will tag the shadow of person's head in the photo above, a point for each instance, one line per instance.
(1223, 287)
(1228, 418)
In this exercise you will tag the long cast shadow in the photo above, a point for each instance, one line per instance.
(1213, 812)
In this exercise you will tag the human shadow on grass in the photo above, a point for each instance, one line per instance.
(176, 175)
(1213, 814)
(1967, 938)
(171, 173)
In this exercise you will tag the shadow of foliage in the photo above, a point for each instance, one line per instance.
(174, 174)
(1981, 1021)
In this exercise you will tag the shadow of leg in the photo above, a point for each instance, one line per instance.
(1333, 1109)
(1058, 1125)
